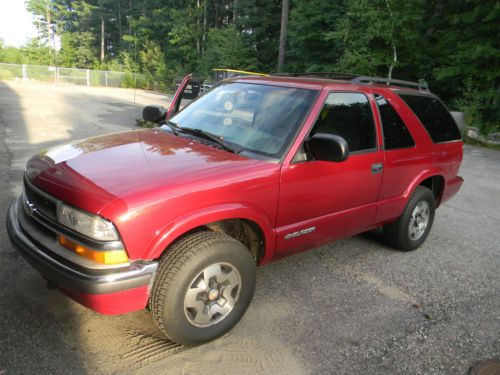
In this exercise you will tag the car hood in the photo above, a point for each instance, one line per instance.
(92, 172)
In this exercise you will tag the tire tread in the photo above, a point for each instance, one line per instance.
(172, 262)
(393, 232)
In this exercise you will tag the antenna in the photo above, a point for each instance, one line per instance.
(135, 79)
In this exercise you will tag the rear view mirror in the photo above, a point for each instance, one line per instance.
(328, 147)
(154, 113)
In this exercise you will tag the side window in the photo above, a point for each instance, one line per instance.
(434, 116)
(348, 115)
(396, 134)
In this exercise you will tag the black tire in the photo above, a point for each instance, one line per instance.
(397, 234)
(178, 270)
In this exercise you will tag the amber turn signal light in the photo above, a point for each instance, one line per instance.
(104, 257)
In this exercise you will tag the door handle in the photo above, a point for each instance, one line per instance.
(377, 168)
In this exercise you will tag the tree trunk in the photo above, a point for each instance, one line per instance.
(55, 46)
(438, 10)
(102, 40)
(130, 11)
(496, 99)
(204, 25)
(39, 34)
(48, 26)
(198, 44)
(216, 17)
(394, 50)
(129, 16)
(394, 61)
(235, 10)
(120, 33)
(284, 27)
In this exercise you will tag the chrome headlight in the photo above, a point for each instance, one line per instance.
(90, 225)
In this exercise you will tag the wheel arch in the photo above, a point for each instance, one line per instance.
(432, 179)
(436, 185)
(242, 222)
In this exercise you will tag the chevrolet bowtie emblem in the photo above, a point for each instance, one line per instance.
(30, 208)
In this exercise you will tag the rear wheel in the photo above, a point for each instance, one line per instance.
(203, 287)
(413, 226)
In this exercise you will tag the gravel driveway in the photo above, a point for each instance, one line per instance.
(352, 307)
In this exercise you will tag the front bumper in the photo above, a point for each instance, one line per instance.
(109, 291)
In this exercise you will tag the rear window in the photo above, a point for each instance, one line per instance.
(434, 116)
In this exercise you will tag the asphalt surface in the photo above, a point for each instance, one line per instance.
(352, 307)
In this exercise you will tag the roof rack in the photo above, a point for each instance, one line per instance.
(421, 85)
(330, 75)
(358, 79)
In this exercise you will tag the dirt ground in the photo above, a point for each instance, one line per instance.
(352, 307)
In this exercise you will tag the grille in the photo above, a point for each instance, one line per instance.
(33, 229)
(42, 203)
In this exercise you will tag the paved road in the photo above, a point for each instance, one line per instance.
(353, 307)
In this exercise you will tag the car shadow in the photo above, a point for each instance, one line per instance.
(34, 338)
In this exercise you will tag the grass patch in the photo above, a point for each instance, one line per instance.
(476, 142)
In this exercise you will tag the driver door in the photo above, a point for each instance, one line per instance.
(321, 201)
(175, 104)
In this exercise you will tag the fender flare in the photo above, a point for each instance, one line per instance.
(183, 224)
(425, 174)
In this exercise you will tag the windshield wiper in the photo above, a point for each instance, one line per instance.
(209, 136)
(172, 125)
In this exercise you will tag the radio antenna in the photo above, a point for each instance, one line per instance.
(135, 79)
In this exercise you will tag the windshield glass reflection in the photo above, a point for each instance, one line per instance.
(256, 118)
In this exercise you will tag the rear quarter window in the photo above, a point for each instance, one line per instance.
(396, 134)
(434, 116)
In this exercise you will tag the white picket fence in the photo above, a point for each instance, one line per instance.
(59, 76)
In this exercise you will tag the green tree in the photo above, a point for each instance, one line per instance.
(11, 55)
(311, 46)
(35, 54)
(78, 50)
(259, 23)
(376, 37)
(453, 44)
(226, 48)
(467, 48)
(154, 67)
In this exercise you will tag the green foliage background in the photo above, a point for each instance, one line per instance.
(452, 44)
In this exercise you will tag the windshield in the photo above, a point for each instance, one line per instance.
(258, 119)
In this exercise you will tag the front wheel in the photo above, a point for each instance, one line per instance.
(203, 287)
(413, 226)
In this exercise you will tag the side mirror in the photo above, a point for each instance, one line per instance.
(154, 113)
(328, 147)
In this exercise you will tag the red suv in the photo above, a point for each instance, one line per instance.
(177, 217)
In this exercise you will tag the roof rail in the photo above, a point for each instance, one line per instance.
(358, 79)
(421, 85)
